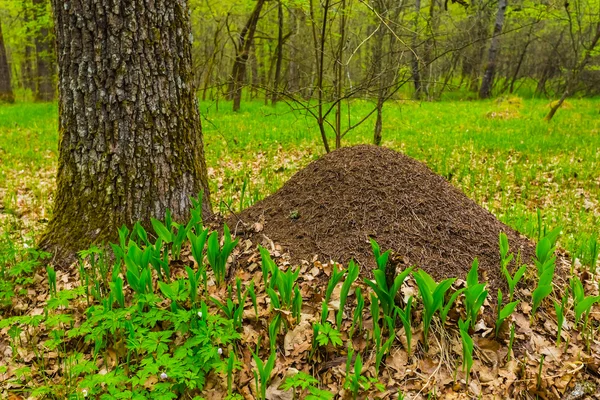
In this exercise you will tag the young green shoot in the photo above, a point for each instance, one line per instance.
(582, 303)
(475, 294)
(385, 293)
(432, 296)
(51, 280)
(545, 264)
(503, 312)
(262, 373)
(268, 266)
(336, 276)
(351, 276)
(467, 343)
(217, 255)
(560, 309)
(406, 318)
(357, 318)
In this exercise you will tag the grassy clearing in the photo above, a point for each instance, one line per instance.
(500, 153)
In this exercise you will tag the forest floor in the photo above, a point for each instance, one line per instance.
(532, 175)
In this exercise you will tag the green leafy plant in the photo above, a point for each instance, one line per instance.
(170, 233)
(545, 264)
(274, 328)
(432, 296)
(357, 317)
(351, 276)
(252, 294)
(582, 303)
(381, 259)
(382, 350)
(505, 259)
(511, 341)
(51, 280)
(217, 255)
(268, 266)
(297, 304)
(503, 312)
(355, 380)
(262, 373)
(560, 309)
(307, 386)
(197, 245)
(285, 285)
(334, 279)
(447, 306)
(467, 343)
(232, 311)
(475, 293)
(406, 318)
(375, 317)
(387, 295)
(327, 334)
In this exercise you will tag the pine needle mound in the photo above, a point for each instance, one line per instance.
(333, 206)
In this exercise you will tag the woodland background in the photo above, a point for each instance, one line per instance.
(300, 51)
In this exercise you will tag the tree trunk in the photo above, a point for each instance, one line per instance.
(130, 134)
(44, 49)
(490, 70)
(415, 68)
(275, 93)
(378, 72)
(238, 75)
(6, 93)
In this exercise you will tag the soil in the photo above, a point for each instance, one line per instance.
(333, 206)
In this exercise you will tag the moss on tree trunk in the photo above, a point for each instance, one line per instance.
(130, 134)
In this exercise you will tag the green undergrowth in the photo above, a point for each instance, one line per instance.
(154, 317)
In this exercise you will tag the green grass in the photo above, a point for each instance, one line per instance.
(513, 166)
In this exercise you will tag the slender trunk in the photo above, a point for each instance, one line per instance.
(416, 74)
(490, 70)
(379, 74)
(238, 75)
(44, 53)
(279, 53)
(6, 93)
(339, 73)
(319, 45)
(131, 140)
(429, 46)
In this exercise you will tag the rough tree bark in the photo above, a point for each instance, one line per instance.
(6, 93)
(130, 134)
(490, 70)
(45, 87)
(245, 39)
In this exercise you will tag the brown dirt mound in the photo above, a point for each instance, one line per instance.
(332, 207)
